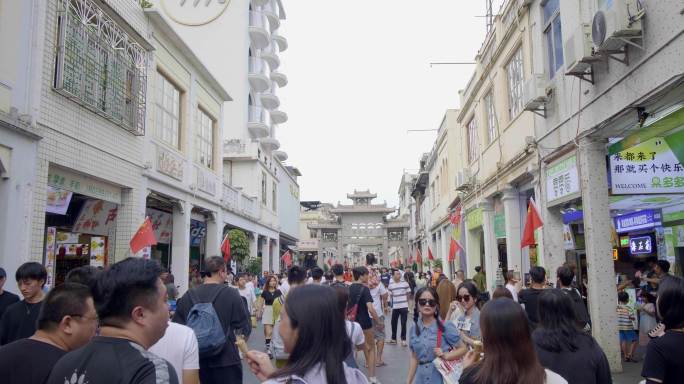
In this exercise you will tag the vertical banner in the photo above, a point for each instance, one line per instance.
(50, 240)
(97, 251)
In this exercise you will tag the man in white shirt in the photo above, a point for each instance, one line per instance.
(379, 294)
(246, 292)
(179, 347)
(399, 295)
(512, 284)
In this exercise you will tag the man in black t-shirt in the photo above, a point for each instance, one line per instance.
(6, 298)
(224, 367)
(19, 319)
(359, 295)
(529, 298)
(67, 321)
(131, 303)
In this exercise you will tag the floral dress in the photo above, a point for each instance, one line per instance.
(423, 346)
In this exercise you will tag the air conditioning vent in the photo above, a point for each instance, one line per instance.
(535, 94)
(463, 179)
(579, 51)
(616, 24)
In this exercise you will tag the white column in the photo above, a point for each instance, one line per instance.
(254, 245)
(597, 234)
(265, 256)
(180, 246)
(511, 203)
(551, 250)
(491, 250)
(276, 255)
(214, 235)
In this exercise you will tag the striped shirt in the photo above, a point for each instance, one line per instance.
(398, 294)
(625, 315)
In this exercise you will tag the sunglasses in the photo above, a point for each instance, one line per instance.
(464, 298)
(427, 302)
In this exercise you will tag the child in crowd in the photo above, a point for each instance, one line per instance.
(626, 321)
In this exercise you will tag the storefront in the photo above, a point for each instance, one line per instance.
(80, 223)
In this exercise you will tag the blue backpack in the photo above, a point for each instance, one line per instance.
(204, 320)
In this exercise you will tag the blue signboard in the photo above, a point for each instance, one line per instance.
(198, 230)
(640, 245)
(645, 219)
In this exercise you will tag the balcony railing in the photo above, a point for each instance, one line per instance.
(248, 206)
(238, 202)
(259, 114)
(258, 66)
(258, 19)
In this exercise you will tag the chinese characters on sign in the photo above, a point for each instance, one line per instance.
(562, 180)
(650, 167)
(645, 219)
(640, 245)
(97, 217)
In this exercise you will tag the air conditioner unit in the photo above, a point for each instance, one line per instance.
(616, 23)
(579, 50)
(463, 179)
(534, 92)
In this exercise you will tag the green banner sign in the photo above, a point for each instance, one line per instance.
(475, 218)
(500, 226)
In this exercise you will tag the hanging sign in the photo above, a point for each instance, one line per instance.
(640, 245)
(162, 223)
(654, 166)
(57, 200)
(645, 219)
(50, 240)
(97, 251)
(568, 238)
(198, 230)
(562, 181)
(97, 217)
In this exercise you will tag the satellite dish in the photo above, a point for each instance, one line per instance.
(598, 29)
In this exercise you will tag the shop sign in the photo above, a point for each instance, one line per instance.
(500, 226)
(63, 179)
(57, 200)
(654, 166)
(50, 239)
(169, 164)
(97, 217)
(198, 230)
(672, 214)
(311, 244)
(573, 216)
(678, 235)
(97, 251)
(206, 182)
(475, 218)
(640, 245)
(568, 238)
(562, 181)
(162, 223)
(669, 235)
(636, 221)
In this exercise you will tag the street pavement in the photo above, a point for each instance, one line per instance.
(397, 357)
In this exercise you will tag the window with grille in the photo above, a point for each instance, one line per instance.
(491, 117)
(204, 139)
(472, 140)
(167, 102)
(554, 37)
(99, 66)
(514, 74)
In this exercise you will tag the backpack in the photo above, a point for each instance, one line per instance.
(206, 324)
(581, 313)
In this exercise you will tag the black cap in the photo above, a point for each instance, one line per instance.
(3, 274)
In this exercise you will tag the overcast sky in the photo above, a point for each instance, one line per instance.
(359, 78)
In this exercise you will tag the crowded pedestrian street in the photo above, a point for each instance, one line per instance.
(325, 192)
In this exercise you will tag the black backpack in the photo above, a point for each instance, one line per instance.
(581, 313)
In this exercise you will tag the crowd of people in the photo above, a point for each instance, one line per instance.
(125, 324)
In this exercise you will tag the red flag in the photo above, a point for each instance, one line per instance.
(410, 260)
(225, 249)
(330, 261)
(452, 249)
(430, 254)
(419, 258)
(143, 237)
(532, 222)
(287, 258)
(455, 215)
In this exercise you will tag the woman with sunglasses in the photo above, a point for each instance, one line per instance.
(509, 354)
(468, 321)
(430, 338)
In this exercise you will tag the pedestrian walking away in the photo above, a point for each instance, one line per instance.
(310, 328)
(352, 328)
(563, 346)
(509, 352)
(19, 319)
(379, 295)
(529, 297)
(399, 298)
(67, 321)
(430, 338)
(130, 299)
(361, 310)
(179, 347)
(219, 361)
(295, 278)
